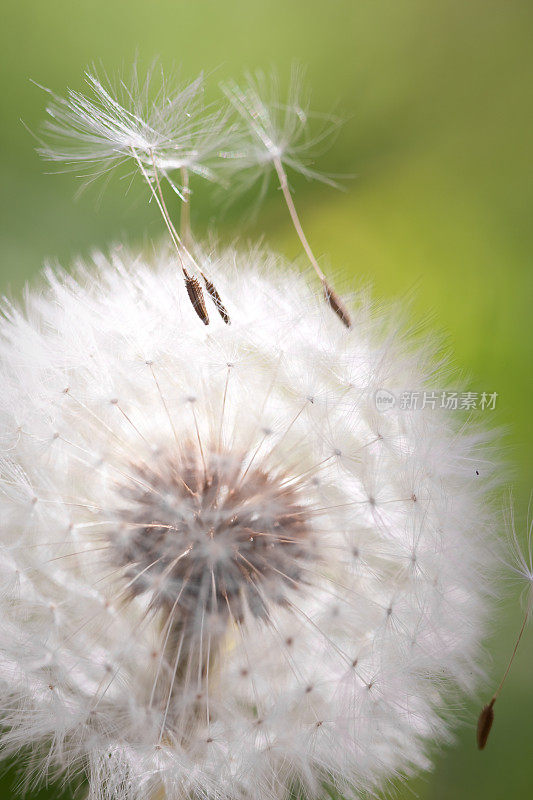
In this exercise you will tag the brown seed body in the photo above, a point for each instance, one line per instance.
(337, 305)
(196, 296)
(484, 725)
(215, 297)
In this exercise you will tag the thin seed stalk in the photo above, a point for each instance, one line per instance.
(330, 295)
(185, 218)
(192, 284)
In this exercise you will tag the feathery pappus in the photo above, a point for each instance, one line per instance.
(224, 573)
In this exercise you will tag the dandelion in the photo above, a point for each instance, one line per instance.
(225, 574)
(277, 138)
(155, 119)
(274, 130)
(521, 559)
(162, 130)
(521, 568)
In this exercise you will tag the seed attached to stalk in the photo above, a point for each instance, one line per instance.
(215, 297)
(196, 296)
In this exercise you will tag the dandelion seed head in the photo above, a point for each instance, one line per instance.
(223, 572)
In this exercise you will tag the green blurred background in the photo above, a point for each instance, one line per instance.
(438, 97)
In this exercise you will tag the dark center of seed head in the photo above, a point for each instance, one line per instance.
(203, 534)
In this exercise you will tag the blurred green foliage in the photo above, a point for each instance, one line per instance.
(439, 135)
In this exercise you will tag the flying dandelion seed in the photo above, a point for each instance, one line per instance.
(520, 568)
(166, 124)
(224, 572)
(274, 129)
(276, 137)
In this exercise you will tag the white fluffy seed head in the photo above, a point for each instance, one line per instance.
(223, 572)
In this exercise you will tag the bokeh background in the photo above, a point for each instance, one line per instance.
(438, 100)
